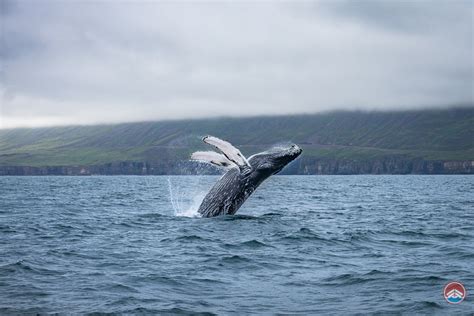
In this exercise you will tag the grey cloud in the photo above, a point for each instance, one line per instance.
(406, 16)
(89, 62)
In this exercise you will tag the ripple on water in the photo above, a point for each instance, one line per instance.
(235, 259)
(249, 244)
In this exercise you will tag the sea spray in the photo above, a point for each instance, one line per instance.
(186, 197)
(173, 198)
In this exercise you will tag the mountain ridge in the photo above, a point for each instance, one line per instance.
(339, 138)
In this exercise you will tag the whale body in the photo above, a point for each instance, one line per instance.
(243, 175)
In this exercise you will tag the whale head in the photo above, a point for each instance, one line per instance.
(272, 161)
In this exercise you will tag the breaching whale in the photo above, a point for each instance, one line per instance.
(243, 175)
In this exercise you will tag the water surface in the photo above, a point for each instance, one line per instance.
(300, 244)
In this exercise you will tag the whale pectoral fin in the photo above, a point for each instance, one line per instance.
(229, 151)
(213, 158)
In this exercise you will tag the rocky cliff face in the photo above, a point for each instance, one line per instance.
(382, 166)
(304, 166)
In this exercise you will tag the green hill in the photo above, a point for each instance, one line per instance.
(352, 142)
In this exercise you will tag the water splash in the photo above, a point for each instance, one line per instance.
(185, 201)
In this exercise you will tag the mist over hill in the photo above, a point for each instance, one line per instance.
(423, 141)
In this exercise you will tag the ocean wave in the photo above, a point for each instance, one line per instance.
(303, 234)
(250, 244)
(186, 238)
(234, 259)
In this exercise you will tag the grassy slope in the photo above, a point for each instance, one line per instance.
(428, 134)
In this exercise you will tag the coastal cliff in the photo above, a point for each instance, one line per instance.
(299, 167)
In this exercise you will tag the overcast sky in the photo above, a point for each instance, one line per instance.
(102, 61)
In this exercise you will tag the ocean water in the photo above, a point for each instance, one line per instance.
(299, 245)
